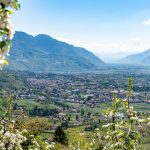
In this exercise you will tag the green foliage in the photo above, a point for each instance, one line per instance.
(122, 134)
(82, 112)
(11, 81)
(6, 31)
(37, 143)
(80, 139)
(60, 136)
(14, 136)
(37, 109)
(34, 126)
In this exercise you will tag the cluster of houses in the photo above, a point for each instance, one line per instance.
(86, 89)
(83, 89)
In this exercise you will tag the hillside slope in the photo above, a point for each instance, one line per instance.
(137, 59)
(43, 53)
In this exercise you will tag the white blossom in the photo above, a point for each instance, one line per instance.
(6, 30)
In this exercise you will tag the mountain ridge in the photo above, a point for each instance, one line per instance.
(42, 53)
(142, 58)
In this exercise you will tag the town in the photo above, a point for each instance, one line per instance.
(88, 89)
(67, 93)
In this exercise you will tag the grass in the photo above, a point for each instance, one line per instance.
(146, 146)
(30, 104)
(78, 134)
(141, 107)
(76, 105)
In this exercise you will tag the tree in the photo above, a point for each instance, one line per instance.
(122, 134)
(6, 31)
(69, 117)
(60, 136)
(33, 125)
(77, 117)
(64, 125)
(10, 137)
(82, 112)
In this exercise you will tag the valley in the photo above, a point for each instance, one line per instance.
(74, 101)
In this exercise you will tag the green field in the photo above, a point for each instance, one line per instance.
(139, 107)
(78, 134)
(142, 107)
(29, 104)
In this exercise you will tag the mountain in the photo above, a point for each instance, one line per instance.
(137, 59)
(43, 53)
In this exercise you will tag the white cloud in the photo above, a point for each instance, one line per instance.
(147, 22)
(112, 49)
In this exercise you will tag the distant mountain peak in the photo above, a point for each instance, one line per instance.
(43, 36)
(142, 58)
(21, 34)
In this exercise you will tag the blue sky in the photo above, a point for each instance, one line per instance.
(109, 28)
